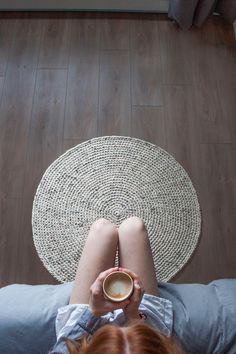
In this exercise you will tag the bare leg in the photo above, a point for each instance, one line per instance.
(98, 255)
(135, 252)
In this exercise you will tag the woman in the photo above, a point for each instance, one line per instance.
(93, 324)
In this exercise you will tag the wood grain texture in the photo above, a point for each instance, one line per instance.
(114, 33)
(16, 105)
(124, 74)
(10, 214)
(146, 62)
(1, 87)
(203, 55)
(25, 46)
(227, 101)
(83, 76)
(177, 54)
(225, 54)
(148, 124)
(215, 181)
(6, 35)
(114, 93)
(46, 129)
(54, 50)
(182, 130)
(209, 113)
(70, 143)
(44, 146)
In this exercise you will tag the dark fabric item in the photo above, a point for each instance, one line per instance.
(227, 8)
(194, 12)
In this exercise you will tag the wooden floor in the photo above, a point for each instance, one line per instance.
(65, 78)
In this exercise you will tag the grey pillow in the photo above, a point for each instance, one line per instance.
(204, 315)
(27, 317)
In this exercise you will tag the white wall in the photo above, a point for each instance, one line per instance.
(115, 5)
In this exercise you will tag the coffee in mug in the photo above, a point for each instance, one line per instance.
(118, 286)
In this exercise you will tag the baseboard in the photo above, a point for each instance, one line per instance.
(83, 5)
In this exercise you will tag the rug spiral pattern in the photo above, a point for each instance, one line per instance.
(115, 177)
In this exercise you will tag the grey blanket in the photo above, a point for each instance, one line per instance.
(204, 316)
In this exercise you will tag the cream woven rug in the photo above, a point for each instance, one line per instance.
(115, 177)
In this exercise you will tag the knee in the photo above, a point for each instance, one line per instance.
(132, 224)
(103, 226)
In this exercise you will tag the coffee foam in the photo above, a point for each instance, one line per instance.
(118, 286)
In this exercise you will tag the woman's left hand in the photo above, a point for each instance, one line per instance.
(98, 304)
(131, 311)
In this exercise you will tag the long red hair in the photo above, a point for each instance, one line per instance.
(138, 338)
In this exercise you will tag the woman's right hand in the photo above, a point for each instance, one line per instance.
(98, 304)
(131, 310)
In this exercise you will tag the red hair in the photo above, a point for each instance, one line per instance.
(135, 339)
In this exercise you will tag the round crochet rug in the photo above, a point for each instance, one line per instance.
(115, 177)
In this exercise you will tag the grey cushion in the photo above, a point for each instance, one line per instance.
(204, 316)
(27, 317)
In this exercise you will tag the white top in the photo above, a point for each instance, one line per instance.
(74, 320)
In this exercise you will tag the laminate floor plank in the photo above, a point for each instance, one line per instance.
(83, 76)
(125, 74)
(10, 213)
(114, 93)
(224, 60)
(214, 124)
(16, 105)
(200, 116)
(1, 87)
(146, 67)
(44, 146)
(24, 51)
(85, 34)
(70, 143)
(54, 50)
(15, 118)
(203, 42)
(215, 183)
(204, 55)
(6, 35)
(227, 100)
(114, 33)
(148, 124)
(177, 54)
(182, 130)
